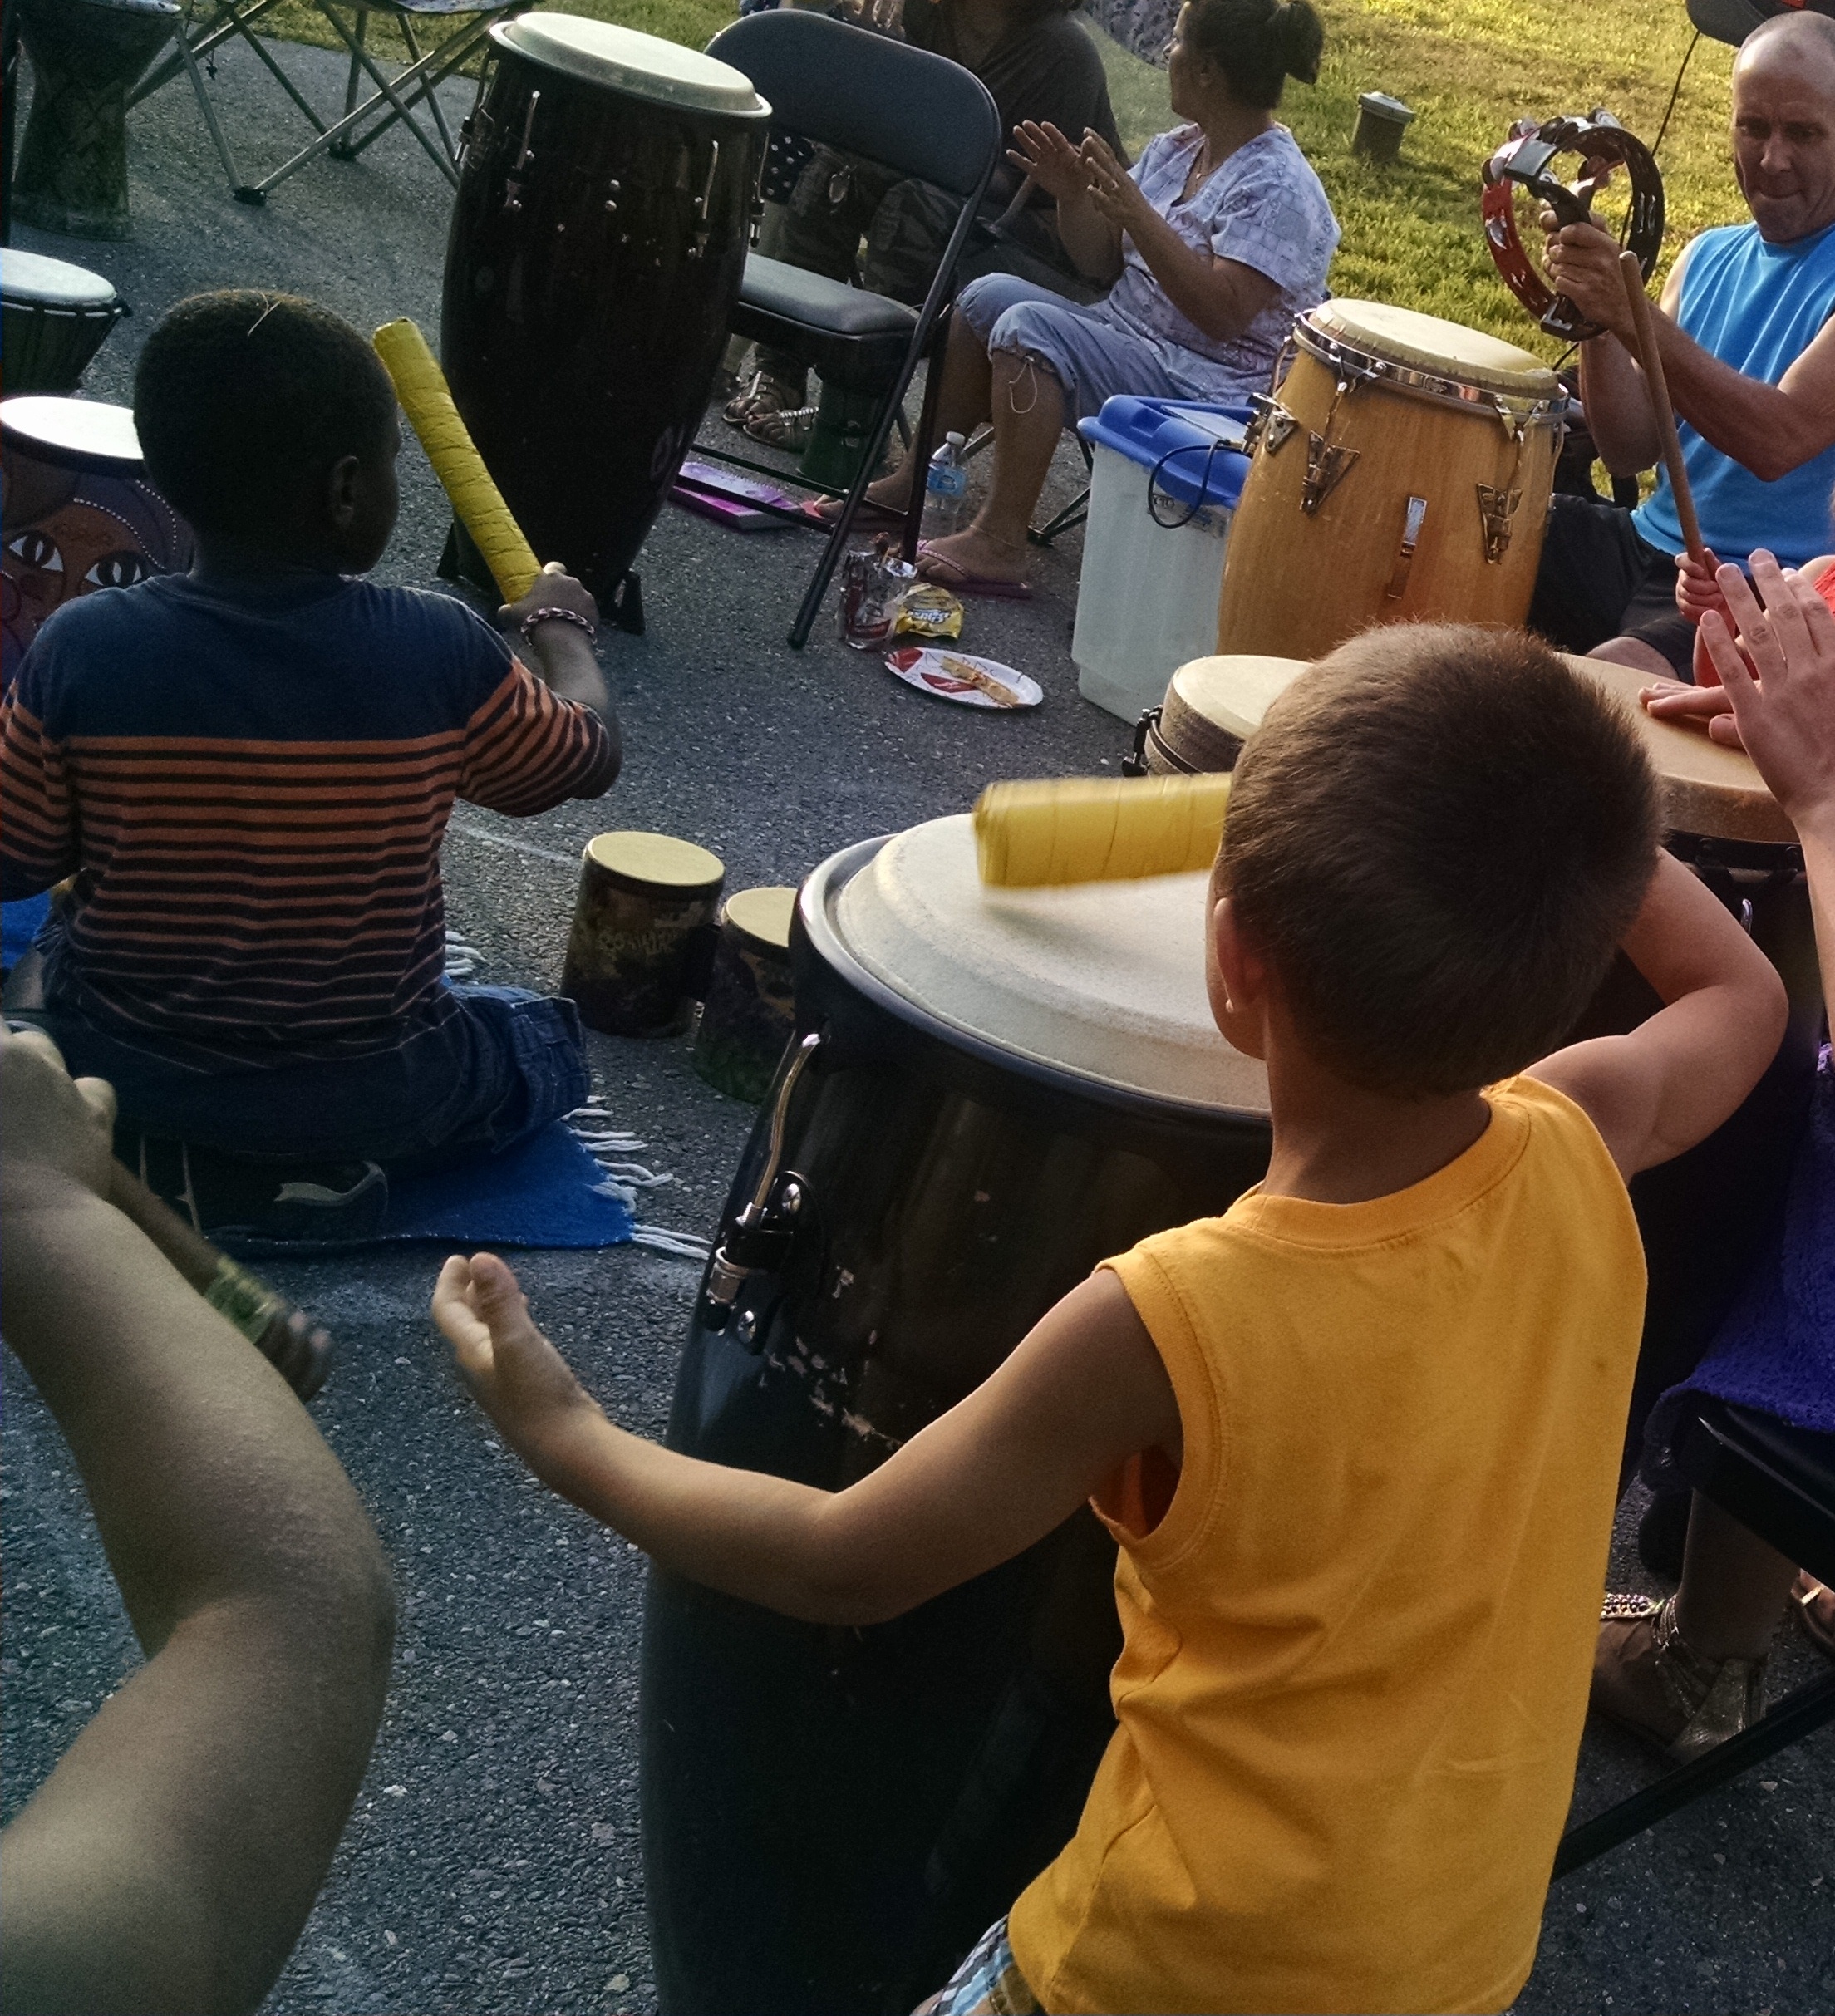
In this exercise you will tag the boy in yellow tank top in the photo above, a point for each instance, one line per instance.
(1359, 1437)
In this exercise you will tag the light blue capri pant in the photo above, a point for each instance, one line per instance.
(1092, 354)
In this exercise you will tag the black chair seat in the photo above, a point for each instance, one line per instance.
(1779, 1480)
(856, 339)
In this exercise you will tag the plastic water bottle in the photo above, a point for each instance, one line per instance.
(946, 489)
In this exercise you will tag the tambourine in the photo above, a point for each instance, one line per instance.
(1524, 160)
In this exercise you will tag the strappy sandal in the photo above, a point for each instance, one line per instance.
(1708, 1700)
(1806, 1595)
(788, 427)
(761, 394)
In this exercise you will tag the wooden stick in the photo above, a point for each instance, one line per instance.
(1651, 358)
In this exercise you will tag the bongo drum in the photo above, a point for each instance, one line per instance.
(1402, 471)
(86, 56)
(643, 935)
(1709, 1215)
(53, 319)
(990, 1091)
(1213, 706)
(599, 239)
(750, 1009)
(79, 512)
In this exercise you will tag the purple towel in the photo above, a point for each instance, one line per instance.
(1776, 1350)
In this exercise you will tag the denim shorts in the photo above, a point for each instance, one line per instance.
(481, 1079)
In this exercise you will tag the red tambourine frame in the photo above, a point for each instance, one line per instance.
(1524, 161)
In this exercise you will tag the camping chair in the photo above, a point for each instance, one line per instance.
(905, 110)
(466, 22)
(1780, 1481)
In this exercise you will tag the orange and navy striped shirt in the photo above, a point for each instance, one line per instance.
(250, 787)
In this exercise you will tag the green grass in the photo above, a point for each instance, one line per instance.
(1468, 67)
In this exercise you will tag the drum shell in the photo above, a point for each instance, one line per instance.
(86, 55)
(748, 1016)
(587, 299)
(104, 525)
(637, 953)
(48, 349)
(832, 1816)
(1295, 583)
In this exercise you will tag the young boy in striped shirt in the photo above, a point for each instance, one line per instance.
(245, 773)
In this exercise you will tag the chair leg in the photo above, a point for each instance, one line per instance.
(924, 440)
(1073, 513)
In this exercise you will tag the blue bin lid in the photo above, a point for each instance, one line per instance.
(1177, 439)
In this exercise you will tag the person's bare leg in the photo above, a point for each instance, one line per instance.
(1634, 652)
(1733, 1586)
(962, 406)
(1028, 411)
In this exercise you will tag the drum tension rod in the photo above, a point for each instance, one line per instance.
(512, 187)
(760, 1236)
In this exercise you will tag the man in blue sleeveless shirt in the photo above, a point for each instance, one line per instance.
(1749, 354)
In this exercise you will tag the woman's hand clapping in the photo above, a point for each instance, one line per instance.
(1054, 165)
(1112, 190)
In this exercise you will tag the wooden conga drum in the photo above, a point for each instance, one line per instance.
(1213, 706)
(1402, 472)
(750, 1007)
(643, 935)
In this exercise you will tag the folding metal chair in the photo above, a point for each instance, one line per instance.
(1780, 1481)
(919, 116)
(397, 97)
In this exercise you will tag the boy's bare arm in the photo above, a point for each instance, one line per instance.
(1676, 1077)
(1085, 1390)
(565, 660)
(170, 1859)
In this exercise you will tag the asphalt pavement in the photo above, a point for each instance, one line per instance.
(492, 1863)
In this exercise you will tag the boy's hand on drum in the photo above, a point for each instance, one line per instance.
(515, 1375)
(1779, 675)
(1706, 701)
(553, 589)
(1040, 151)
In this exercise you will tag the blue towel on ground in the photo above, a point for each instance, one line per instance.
(548, 1192)
(1776, 1350)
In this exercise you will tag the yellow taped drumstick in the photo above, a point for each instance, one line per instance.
(420, 385)
(1098, 828)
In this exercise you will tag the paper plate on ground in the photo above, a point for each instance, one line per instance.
(953, 675)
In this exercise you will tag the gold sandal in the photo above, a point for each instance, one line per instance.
(1712, 1699)
(1806, 1593)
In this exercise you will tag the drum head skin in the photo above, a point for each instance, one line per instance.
(1234, 692)
(654, 861)
(624, 59)
(1709, 789)
(1105, 979)
(73, 433)
(1426, 343)
(31, 279)
(762, 914)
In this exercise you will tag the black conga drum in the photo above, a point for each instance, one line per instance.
(598, 239)
(990, 1091)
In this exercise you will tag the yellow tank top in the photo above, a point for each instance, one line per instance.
(1358, 1643)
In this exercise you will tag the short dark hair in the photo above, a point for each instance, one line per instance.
(1437, 837)
(1258, 44)
(243, 400)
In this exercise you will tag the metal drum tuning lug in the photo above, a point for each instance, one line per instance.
(758, 1240)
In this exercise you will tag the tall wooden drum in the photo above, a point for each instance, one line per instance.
(599, 239)
(643, 932)
(1402, 472)
(750, 1007)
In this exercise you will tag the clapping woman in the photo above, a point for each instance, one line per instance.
(1210, 246)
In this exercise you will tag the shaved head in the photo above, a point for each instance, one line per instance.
(1793, 38)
